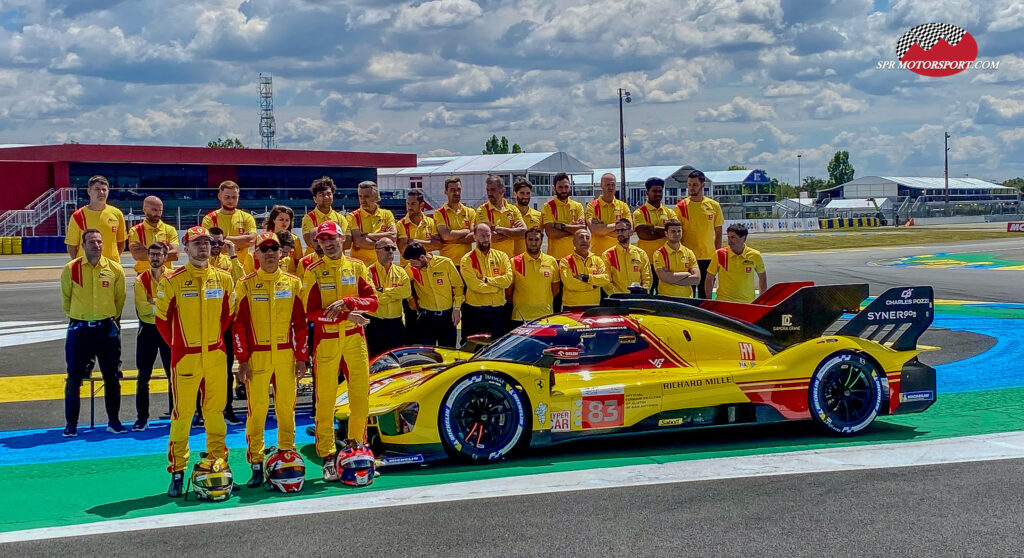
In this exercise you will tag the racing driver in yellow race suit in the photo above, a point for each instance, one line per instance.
(338, 293)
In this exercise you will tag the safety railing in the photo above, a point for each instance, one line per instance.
(60, 201)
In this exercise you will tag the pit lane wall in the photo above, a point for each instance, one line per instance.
(849, 222)
(777, 225)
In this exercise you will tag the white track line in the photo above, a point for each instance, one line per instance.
(1008, 445)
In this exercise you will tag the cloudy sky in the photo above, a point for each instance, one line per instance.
(714, 82)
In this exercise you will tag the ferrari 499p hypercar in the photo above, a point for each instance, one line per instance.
(641, 363)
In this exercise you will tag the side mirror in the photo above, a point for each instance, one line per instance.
(475, 342)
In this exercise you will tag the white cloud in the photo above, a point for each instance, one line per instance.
(830, 104)
(739, 109)
(1002, 112)
(436, 14)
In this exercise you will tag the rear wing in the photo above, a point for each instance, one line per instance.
(896, 319)
(810, 310)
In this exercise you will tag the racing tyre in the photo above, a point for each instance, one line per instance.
(845, 393)
(482, 418)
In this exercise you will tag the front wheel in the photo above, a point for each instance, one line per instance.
(845, 393)
(482, 418)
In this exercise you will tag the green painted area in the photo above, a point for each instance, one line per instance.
(75, 492)
(974, 260)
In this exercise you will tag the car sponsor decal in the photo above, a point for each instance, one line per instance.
(403, 460)
(917, 396)
(602, 407)
(747, 351)
(542, 413)
(670, 422)
(560, 421)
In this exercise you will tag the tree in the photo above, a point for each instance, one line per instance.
(840, 171)
(516, 148)
(495, 146)
(783, 190)
(1017, 183)
(813, 184)
(229, 143)
(736, 167)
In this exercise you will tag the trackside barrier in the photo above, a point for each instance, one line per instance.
(32, 245)
(849, 222)
(1015, 226)
(775, 225)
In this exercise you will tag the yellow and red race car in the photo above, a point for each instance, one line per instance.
(644, 363)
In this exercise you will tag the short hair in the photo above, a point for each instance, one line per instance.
(560, 176)
(274, 212)
(367, 185)
(451, 180)
(91, 231)
(215, 230)
(604, 175)
(698, 175)
(652, 182)
(739, 228)
(533, 230)
(321, 184)
(413, 251)
(157, 246)
(285, 238)
(521, 182)
(228, 185)
(416, 193)
(495, 179)
(627, 222)
(97, 179)
(673, 223)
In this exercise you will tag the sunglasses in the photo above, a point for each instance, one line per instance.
(266, 249)
(388, 248)
(216, 243)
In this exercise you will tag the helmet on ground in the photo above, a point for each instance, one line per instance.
(212, 480)
(285, 471)
(356, 465)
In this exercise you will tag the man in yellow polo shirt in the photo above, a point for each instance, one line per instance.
(152, 229)
(99, 215)
(702, 221)
(649, 221)
(602, 214)
(369, 223)
(535, 281)
(323, 189)
(454, 222)
(675, 264)
(627, 264)
(523, 191)
(486, 273)
(437, 295)
(92, 291)
(506, 223)
(416, 225)
(583, 274)
(238, 225)
(735, 266)
(386, 330)
(561, 218)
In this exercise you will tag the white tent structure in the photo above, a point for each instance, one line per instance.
(538, 168)
(860, 207)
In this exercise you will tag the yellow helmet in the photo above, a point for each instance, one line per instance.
(212, 480)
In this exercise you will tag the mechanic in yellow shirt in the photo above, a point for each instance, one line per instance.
(702, 221)
(583, 274)
(416, 225)
(503, 217)
(386, 330)
(627, 264)
(323, 189)
(649, 219)
(438, 294)
(99, 215)
(561, 218)
(370, 223)
(238, 225)
(148, 342)
(454, 222)
(152, 229)
(487, 273)
(735, 266)
(675, 264)
(523, 191)
(602, 214)
(535, 281)
(92, 292)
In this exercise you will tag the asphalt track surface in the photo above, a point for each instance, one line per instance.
(959, 509)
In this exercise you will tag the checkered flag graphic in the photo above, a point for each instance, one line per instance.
(927, 35)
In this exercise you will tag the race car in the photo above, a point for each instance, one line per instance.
(641, 363)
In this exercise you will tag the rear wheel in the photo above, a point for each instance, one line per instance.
(845, 393)
(482, 418)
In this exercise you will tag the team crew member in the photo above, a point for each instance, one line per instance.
(289, 255)
(386, 330)
(148, 342)
(603, 213)
(487, 274)
(735, 266)
(152, 229)
(627, 264)
(99, 215)
(281, 220)
(369, 223)
(269, 333)
(675, 264)
(523, 191)
(238, 225)
(702, 221)
(437, 295)
(92, 292)
(323, 189)
(338, 294)
(454, 222)
(417, 226)
(504, 219)
(223, 257)
(561, 218)
(583, 274)
(193, 310)
(649, 221)
(535, 281)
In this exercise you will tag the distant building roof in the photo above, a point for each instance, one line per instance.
(926, 182)
(546, 162)
(858, 204)
(639, 175)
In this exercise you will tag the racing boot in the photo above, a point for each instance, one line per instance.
(330, 470)
(176, 488)
(257, 476)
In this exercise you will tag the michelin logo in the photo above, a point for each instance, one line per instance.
(912, 396)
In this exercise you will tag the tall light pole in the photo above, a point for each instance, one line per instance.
(799, 182)
(623, 94)
(945, 143)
